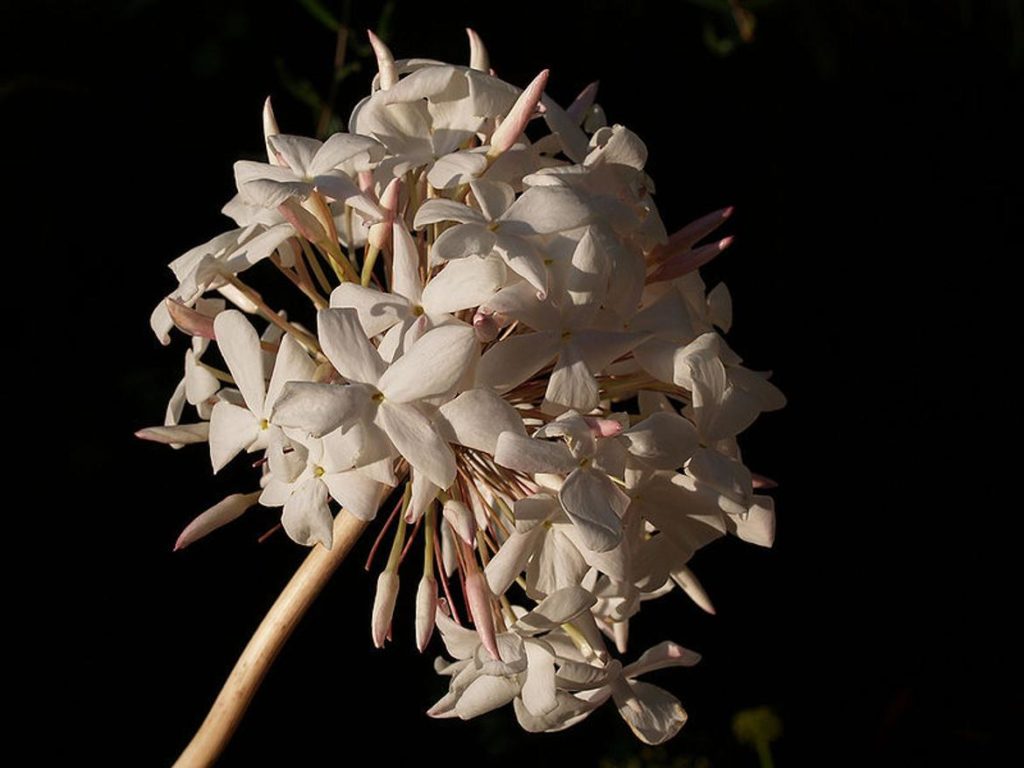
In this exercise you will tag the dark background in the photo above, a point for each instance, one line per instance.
(873, 153)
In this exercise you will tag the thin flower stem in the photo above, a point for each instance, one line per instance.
(269, 314)
(250, 669)
(314, 264)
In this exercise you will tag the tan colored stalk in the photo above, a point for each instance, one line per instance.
(250, 669)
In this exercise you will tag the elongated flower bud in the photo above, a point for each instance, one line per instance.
(426, 607)
(383, 606)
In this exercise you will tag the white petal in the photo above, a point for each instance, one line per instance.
(438, 210)
(347, 347)
(318, 408)
(595, 505)
(653, 714)
(456, 168)
(426, 607)
(539, 689)
(463, 283)
(232, 430)
(663, 440)
(571, 384)
(476, 418)
(297, 151)
(377, 311)
(423, 494)
(545, 210)
(557, 565)
(405, 277)
(200, 384)
(690, 584)
(532, 456)
(493, 197)
(416, 440)
(340, 149)
(511, 558)
(183, 434)
(220, 514)
(758, 525)
(509, 363)
(461, 241)
(292, 364)
(239, 345)
(556, 609)
(523, 259)
(484, 694)
(358, 494)
(435, 364)
(307, 518)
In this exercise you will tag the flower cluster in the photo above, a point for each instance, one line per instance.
(509, 346)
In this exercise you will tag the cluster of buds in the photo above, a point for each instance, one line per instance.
(509, 347)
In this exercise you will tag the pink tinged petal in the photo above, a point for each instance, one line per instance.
(307, 517)
(292, 364)
(223, 512)
(347, 347)
(515, 121)
(758, 525)
(449, 556)
(383, 606)
(478, 58)
(663, 440)
(582, 103)
(433, 366)
(571, 384)
(423, 494)
(662, 656)
(509, 363)
(760, 481)
(557, 609)
(462, 284)
(690, 584)
(697, 230)
(358, 494)
(511, 558)
(426, 607)
(183, 434)
(377, 310)
(200, 384)
(239, 345)
(484, 694)
(387, 73)
(532, 456)
(653, 714)
(405, 278)
(538, 693)
(232, 430)
(317, 408)
(477, 418)
(460, 241)
(478, 597)
(595, 505)
(689, 261)
(188, 320)
(304, 222)
(456, 168)
(417, 441)
(461, 520)
(440, 210)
